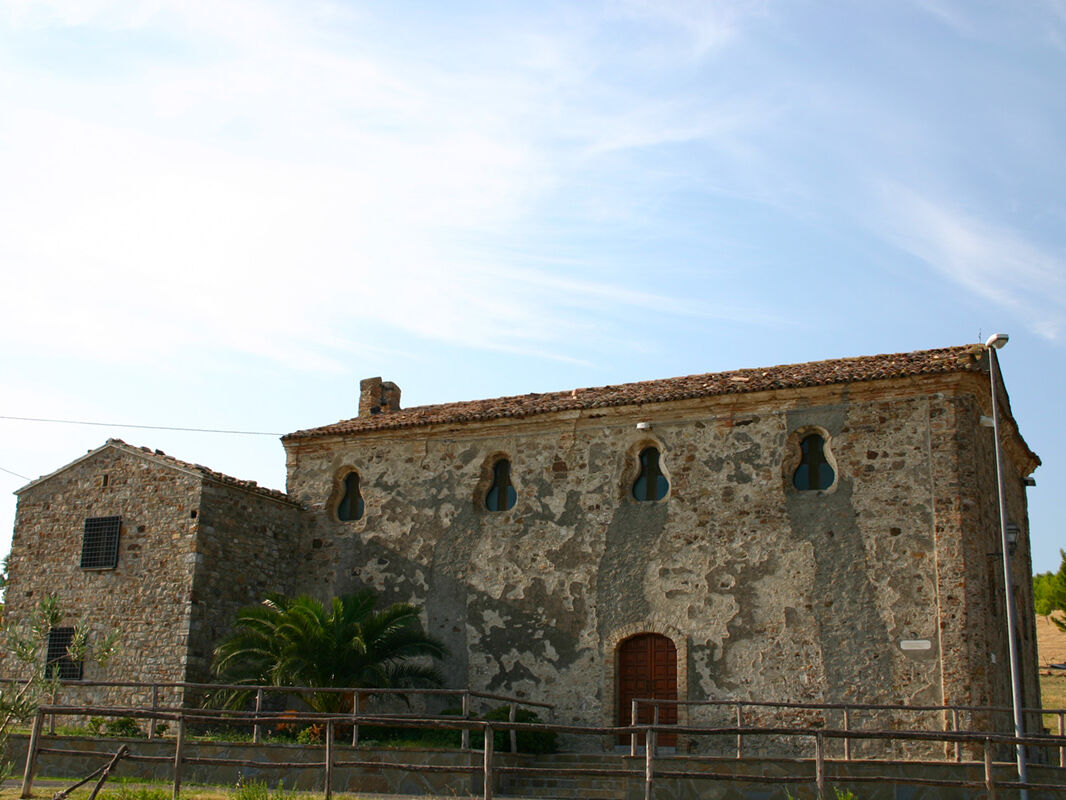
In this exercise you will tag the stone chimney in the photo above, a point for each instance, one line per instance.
(378, 397)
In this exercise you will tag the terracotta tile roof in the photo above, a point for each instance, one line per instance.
(207, 472)
(967, 358)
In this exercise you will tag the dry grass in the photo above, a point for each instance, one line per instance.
(1052, 695)
(1051, 646)
(1050, 642)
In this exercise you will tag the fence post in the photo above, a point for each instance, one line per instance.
(329, 759)
(633, 736)
(179, 749)
(52, 719)
(155, 707)
(740, 721)
(649, 762)
(487, 777)
(1062, 732)
(511, 716)
(31, 755)
(256, 731)
(466, 715)
(955, 728)
(847, 730)
(355, 715)
(990, 784)
(819, 765)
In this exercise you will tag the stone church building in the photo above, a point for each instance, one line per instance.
(821, 532)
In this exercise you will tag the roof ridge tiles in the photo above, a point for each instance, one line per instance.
(207, 472)
(964, 358)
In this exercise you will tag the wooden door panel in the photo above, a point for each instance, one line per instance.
(647, 668)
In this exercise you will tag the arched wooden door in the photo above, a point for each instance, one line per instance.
(647, 669)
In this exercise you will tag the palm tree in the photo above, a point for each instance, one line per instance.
(300, 641)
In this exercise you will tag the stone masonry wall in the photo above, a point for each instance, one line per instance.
(246, 547)
(146, 596)
(767, 592)
(989, 652)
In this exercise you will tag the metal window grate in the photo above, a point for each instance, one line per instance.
(99, 545)
(58, 660)
(651, 485)
(501, 495)
(351, 505)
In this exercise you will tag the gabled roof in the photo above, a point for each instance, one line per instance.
(159, 457)
(967, 358)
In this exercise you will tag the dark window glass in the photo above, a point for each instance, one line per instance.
(651, 484)
(814, 471)
(99, 544)
(351, 505)
(57, 660)
(502, 495)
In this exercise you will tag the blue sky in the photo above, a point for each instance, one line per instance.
(223, 215)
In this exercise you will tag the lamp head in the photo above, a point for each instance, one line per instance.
(1013, 532)
(997, 340)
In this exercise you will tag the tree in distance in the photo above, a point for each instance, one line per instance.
(1049, 593)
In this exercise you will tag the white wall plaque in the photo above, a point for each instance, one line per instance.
(915, 644)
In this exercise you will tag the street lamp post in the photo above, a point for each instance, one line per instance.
(994, 343)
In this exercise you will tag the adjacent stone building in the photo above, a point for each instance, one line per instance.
(823, 532)
(160, 549)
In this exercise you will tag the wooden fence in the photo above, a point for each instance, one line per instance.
(489, 771)
(951, 716)
(466, 698)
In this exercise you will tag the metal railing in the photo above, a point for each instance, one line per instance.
(490, 771)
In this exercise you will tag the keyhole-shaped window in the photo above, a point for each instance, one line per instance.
(651, 484)
(501, 495)
(351, 505)
(814, 471)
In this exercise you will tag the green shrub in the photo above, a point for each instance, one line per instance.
(312, 734)
(123, 726)
(527, 741)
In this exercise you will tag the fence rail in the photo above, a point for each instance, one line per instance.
(951, 716)
(261, 691)
(489, 771)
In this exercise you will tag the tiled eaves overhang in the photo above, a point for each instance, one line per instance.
(964, 359)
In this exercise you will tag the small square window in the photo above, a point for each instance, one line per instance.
(58, 660)
(99, 545)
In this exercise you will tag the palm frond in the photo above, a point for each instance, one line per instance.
(301, 641)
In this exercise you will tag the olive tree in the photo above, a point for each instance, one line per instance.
(25, 648)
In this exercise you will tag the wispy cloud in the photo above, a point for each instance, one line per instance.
(947, 13)
(995, 263)
(285, 186)
(705, 26)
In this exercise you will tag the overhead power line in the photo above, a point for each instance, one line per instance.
(17, 475)
(143, 427)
